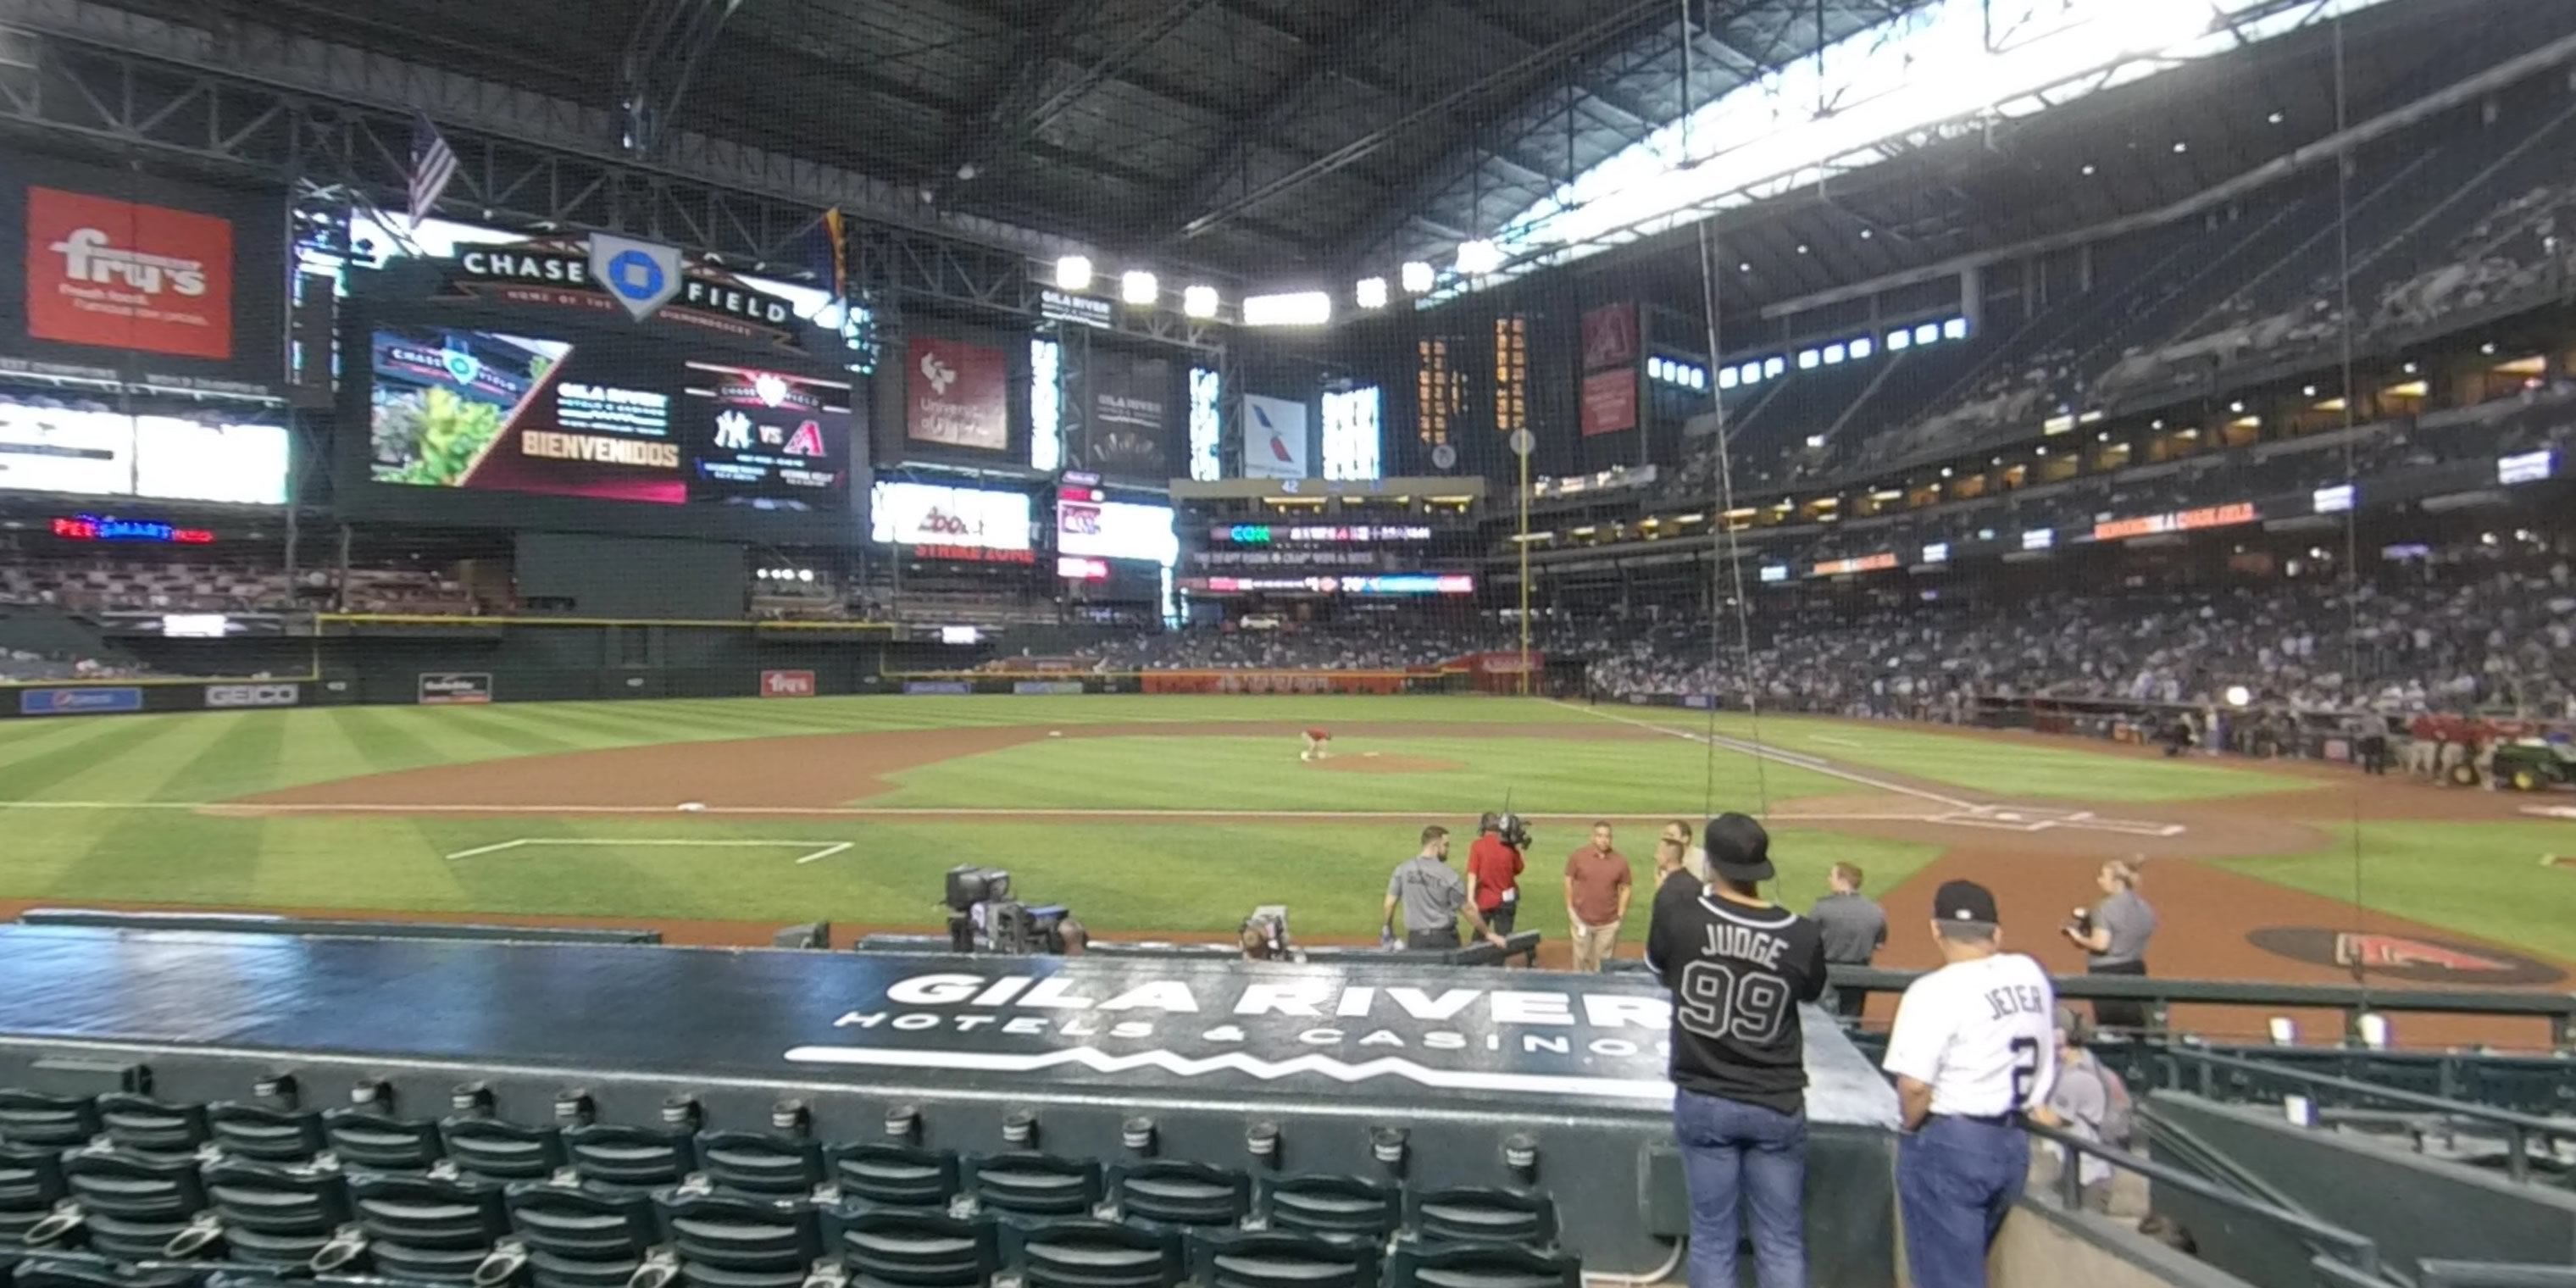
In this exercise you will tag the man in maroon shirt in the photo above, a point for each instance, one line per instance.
(1597, 886)
(1494, 874)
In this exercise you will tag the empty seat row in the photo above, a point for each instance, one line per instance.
(138, 1144)
(571, 1238)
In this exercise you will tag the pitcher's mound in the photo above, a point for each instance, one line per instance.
(1376, 763)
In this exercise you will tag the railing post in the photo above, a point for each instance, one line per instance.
(2070, 1179)
(2517, 1163)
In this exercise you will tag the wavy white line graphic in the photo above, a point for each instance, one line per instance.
(1641, 1089)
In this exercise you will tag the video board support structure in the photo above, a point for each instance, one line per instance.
(322, 118)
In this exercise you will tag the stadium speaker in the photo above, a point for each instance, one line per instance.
(811, 934)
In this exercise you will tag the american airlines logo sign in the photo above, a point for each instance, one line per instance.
(1607, 1040)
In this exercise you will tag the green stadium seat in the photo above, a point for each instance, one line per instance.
(125, 1206)
(575, 1237)
(1172, 1192)
(765, 1163)
(274, 1216)
(366, 1139)
(31, 1183)
(1338, 1207)
(148, 1126)
(727, 1241)
(266, 1133)
(1277, 1259)
(1480, 1265)
(1480, 1214)
(898, 1247)
(615, 1157)
(1029, 1184)
(499, 1150)
(893, 1175)
(35, 1118)
(435, 1229)
(1080, 1252)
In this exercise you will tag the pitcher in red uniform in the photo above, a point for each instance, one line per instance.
(1319, 745)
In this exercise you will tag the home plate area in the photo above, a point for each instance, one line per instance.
(2026, 818)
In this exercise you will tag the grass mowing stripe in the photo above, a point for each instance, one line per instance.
(246, 755)
(128, 740)
(2483, 880)
(510, 735)
(385, 742)
(45, 737)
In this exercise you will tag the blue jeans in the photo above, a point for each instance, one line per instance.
(1955, 1180)
(1732, 1152)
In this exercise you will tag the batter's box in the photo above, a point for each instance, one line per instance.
(2025, 818)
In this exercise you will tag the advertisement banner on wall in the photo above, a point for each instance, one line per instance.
(1274, 438)
(1129, 431)
(1273, 681)
(1609, 402)
(78, 702)
(455, 688)
(937, 688)
(1046, 687)
(787, 684)
(1610, 337)
(149, 280)
(958, 394)
(226, 696)
(926, 514)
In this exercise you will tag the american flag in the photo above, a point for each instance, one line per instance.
(433, 163)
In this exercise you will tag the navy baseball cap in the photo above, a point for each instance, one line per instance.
(1738, 848)
(1964, 901)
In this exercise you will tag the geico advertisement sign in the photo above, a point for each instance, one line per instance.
(253, 695)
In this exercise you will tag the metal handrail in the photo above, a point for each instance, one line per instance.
(2350, 1250)
(2519, 1128)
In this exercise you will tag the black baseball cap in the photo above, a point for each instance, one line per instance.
(1964, 901)
(1738, 848)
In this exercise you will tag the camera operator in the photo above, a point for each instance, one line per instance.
(1431, 897)
(1494, 870)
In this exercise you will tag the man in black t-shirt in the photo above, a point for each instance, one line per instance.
(1738, 966)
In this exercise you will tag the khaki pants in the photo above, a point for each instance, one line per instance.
(1594, 945)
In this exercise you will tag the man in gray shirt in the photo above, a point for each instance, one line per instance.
(2114, 937)
(1432, 898)
(1854, 929)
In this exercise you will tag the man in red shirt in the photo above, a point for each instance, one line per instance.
(1597, 886)
(1319, 744)
(1493, 875)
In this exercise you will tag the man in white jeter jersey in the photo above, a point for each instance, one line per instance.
(1971, 1051)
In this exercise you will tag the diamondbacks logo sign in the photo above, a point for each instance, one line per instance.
(2407, 957)
(124, 275)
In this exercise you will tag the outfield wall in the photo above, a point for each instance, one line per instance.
(403, 661)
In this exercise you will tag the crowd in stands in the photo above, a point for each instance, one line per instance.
(1385, 645)
(2472, 629)
(21, 666)
(103, 586)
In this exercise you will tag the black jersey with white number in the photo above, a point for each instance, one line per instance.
(1737, 974)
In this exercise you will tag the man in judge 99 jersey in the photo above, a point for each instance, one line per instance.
(1738, 966)
(1973, 1054)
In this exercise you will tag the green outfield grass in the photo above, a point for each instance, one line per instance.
(2028, 771)
(2481, 879)
(1180, 874)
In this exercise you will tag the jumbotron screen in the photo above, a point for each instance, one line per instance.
(493, 411)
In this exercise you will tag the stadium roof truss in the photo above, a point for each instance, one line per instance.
(1752, 129)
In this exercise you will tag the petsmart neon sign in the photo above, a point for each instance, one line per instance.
(90, 527)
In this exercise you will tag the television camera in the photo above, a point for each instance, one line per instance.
(984, 918)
